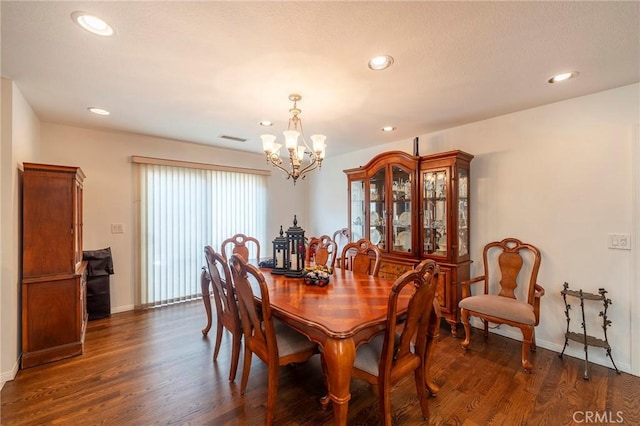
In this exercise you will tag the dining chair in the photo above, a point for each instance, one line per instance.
(323, 250)
(226, 306)
(341, 237)
(240, 247)
(361, 257)
(499, 303)
(275, 343)
(392, 355)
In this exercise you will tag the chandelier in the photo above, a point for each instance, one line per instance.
(302, 157)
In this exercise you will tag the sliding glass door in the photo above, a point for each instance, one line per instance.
(182, 209)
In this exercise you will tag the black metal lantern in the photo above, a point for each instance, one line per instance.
(280, 254)
(295, 243)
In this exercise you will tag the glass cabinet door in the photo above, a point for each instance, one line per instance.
(463, 212)
(357, 210)
(401, 209)
(377, 211)
(435, 212)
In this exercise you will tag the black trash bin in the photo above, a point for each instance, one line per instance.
(100, 266)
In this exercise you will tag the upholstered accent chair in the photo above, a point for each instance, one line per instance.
(502, 300)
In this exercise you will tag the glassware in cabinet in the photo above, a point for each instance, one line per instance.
(357, 209)
(435, 212)
(377, 208)
(463, 212)
(402, 209)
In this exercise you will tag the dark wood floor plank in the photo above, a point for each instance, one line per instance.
(155, 367)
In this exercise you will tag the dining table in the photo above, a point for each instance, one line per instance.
(350, 310)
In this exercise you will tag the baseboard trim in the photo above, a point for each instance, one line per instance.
(124, 308)
(9, 375)
(574, 349)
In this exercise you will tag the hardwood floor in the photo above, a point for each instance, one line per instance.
(154, 367)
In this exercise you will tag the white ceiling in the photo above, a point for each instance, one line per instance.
(193, 71)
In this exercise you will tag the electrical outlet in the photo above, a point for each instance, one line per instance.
(620, 241)
(117, 228)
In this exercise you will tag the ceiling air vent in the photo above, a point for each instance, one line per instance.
(232, 138)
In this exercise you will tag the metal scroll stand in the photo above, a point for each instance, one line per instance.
(584, 337)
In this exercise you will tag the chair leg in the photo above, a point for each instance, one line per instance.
(246, 368)
(527, 335)
(467, 328)
(533, 341)
(384, 400)
(422, 392)
(235, 355)
(218, 338)
(206, 299)
(272, 392)
(433, 334)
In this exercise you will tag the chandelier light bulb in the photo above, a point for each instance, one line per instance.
(267, 143)
(301, 151)
(291, 139)
(318, 143)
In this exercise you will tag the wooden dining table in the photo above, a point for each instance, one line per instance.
(349, 311)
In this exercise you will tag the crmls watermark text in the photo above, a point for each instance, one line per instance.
(598, 417)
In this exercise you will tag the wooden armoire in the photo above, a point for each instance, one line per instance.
(54, 313)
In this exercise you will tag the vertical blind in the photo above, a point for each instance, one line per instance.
(182, 209)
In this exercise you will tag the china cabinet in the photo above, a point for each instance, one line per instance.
(415, 208)
(382, 195)
(444, 224)
(53, 289)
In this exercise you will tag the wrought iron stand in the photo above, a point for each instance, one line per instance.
(584, 337)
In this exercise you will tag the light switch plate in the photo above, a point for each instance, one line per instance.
(117, 228)
(620, 241)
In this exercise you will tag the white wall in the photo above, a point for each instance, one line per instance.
(19, 143)
(558, 176)
(105, 157)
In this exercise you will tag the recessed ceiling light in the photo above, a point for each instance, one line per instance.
(266, 123)
(388, 129)
(92, 24)
(98, 111)
(381, 62)
(563, 77)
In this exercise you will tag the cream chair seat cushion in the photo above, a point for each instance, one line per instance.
(368, 355)
(500, 306)
(289, 340)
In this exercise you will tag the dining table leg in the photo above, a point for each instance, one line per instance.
(433, 335)
(339, 355)
(205, 280)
